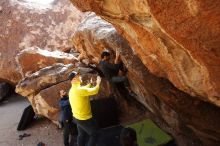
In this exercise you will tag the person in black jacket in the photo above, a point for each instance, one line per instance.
(66, 119)
(111, 70)
(128, 137)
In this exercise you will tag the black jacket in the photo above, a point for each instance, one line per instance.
(109, 70)
(66, 112)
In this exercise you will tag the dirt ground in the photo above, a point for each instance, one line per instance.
(41, 130)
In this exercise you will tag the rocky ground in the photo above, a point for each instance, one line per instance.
(41, 130)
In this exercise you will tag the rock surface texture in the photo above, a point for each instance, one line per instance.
(178, 40)
(153, 57)
(32, 59)
(42, 89)
(46, 24)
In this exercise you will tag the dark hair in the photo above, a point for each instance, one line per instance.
(128, 136)
(105, 53)
(72, 75)
(40, 144)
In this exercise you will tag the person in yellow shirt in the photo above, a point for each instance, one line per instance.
(81, 109)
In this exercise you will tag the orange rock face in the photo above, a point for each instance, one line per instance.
(46, 102)
(178, 40)
(46, 24)
(42, 89)
(44, 78)
(189, 119)
(32, 59)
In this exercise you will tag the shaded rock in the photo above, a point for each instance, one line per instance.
(43, 79)
(24, 24)
(42, 89)
(4, 90)
(32, 59)
(46, 102)
(190, 120)
(177, 40)
(105, 37)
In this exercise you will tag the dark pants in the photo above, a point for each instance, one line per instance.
(87, 132)
(68, 132)
(120, 79)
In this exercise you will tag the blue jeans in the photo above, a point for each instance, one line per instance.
(87, 132)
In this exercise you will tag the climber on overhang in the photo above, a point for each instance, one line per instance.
(111, 70)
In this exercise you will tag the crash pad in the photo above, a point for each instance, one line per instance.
(26, 118)
(149, 134)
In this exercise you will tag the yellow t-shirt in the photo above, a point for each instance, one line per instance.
(79, 100)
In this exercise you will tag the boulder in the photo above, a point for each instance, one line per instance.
(46, 102)
(32, 59)
(44, 78)
(42, 89)
(189, 119)
(177, 40)
(24, 24)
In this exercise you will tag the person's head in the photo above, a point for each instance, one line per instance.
(128, 137)
(40, 144)
(63, 93)
(105, 55)
(74, 77)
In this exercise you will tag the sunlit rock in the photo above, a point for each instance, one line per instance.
(47, 24)
(42, 89)
(190, 120)
(32, 59)
(46, 102)
(177, 40)
(43, 79)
